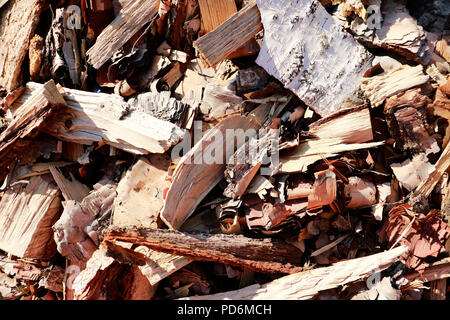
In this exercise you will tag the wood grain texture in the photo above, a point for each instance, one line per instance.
(214, 13)
(140, 193)
(262, 255)
(305, 285)
(27, 214)
(310, 53)
(153, 264)
(18, 19)
(426, 187)
(28, 119)
(382, 86)
(198, 172)
(131, 18)
(237, 30)
(92, 117)
(192, 180)
(345, 130)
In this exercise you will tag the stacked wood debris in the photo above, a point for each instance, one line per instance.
(233, 149)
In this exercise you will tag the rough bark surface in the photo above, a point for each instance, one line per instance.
(263, 255)
(18, 19)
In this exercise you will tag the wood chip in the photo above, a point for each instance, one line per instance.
(305, 285)
(311, 60)
(18, 20)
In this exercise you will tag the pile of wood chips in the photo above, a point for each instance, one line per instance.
(112, 110)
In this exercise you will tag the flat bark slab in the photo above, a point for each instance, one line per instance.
(262, 255)
(27, 214)
(310, 53)
(93, 117)
(305, 285)
(132, 17)
(18, 19)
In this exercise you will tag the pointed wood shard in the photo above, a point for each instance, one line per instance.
(194, 178)
(387, 84)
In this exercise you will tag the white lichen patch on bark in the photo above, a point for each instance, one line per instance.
(310, 53)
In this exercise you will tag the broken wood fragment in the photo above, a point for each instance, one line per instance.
(28, 119)
(106, 279)
(425, 236)
(426, 187)
(305, 285)
(435, 271)
(93, 117)
(238, 30)
(301, 38)
(18, 20)
(262, 255)
(214, 13)
(362, 193)
(324, 190)
(382, 86)
(345, 130)
(28, 211)
(406, 116)
(140, 193)
(78, 230)
(162, 106)
(70, 189)
(131, 19)
(35, 55)
(443, 47)
(199, 171)
(153, 264)
(398, 32)
(411, 173)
